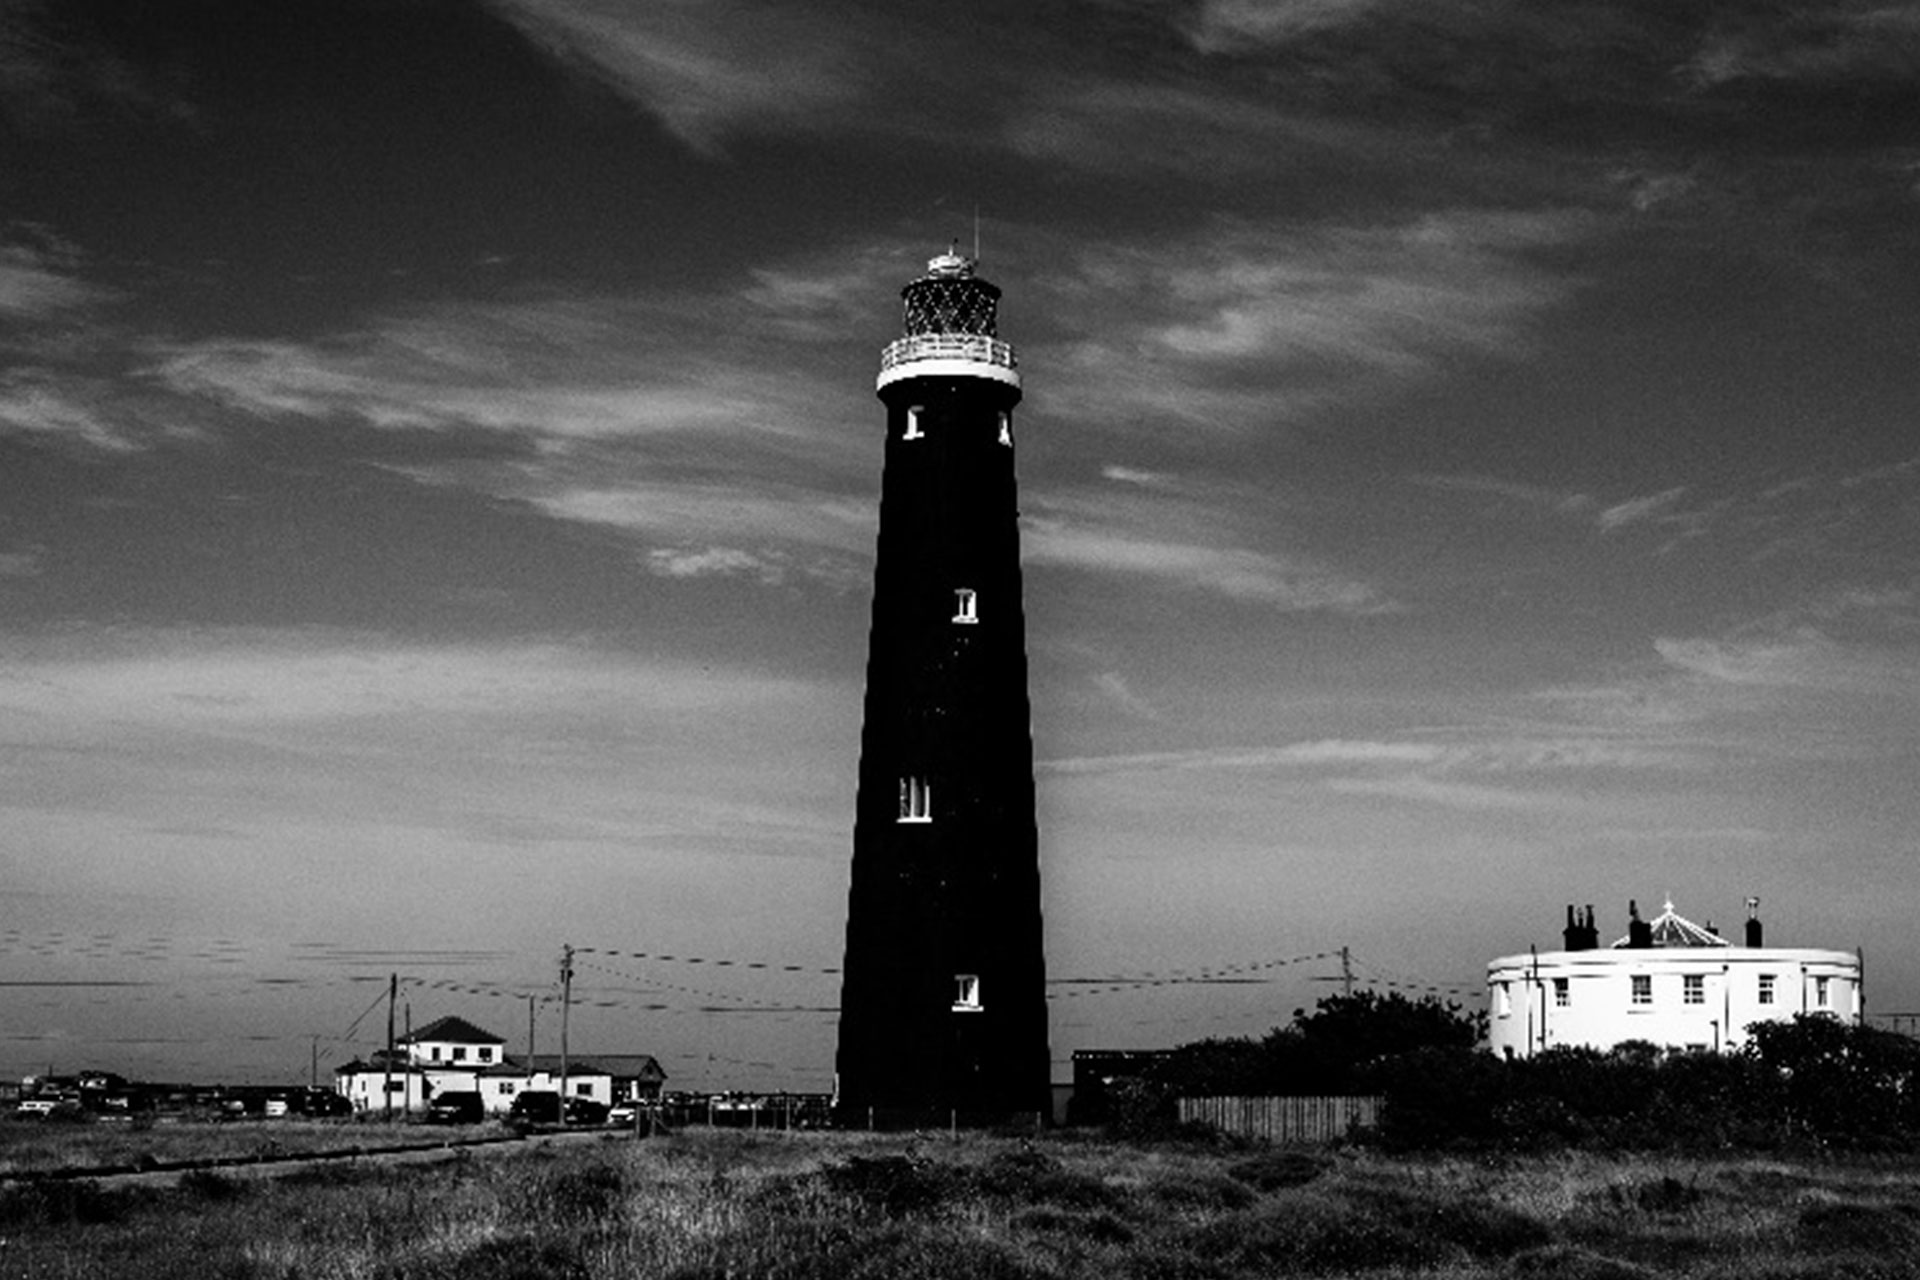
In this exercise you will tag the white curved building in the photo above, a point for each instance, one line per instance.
(1669, 982)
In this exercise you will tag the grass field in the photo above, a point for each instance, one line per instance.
(45, 1146)
(705, 1205)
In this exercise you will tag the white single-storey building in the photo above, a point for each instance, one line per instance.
(1669, 982)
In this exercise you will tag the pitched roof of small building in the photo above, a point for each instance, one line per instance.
(451, 1030)
(1672, 930)
(621, 1066)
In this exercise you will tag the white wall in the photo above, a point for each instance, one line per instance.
(1524, 1015)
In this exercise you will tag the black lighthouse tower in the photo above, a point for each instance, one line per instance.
(943, 1001)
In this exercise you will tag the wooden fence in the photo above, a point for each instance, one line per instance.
(1282, 1119)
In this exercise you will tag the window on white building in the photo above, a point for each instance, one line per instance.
(913, 431)
(1562, 993)
(1766, 988)
(966, 605)
(1693, 988)
(916, 800)
(966, 993)
(433, 1052)
(459, 1053)
(583, 1089)
(1642, 988)
(1822, 992)
(486, 1053)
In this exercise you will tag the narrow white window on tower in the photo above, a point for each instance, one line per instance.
(1822, 992)
(916, 800)
(965, 605)
(966, 993)
(913, 423)
(1006, 428)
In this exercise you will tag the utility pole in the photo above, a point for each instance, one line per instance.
(313, 1068)
(566, 1005)
(1346, 973)
(393, 992)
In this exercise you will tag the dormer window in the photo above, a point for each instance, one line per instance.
(486, 1053)
(916, 800)
(459, 1053)
(966, 993)
(433, 1052)
(913, 431)
(965, 605)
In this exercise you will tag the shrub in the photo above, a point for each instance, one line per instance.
(1565, 1262)
(585, 1195)
(1870, 1228)
(1032, 1177)
(519, 1257)
(1093, 1228)
(215, 1188)
(1277, 1170)
(1203, 1192)
(897, 1185)
(1313, 1236)
(58, 1202)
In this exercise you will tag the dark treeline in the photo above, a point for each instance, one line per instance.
(1813, 1082)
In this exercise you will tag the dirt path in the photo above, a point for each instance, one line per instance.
(169, 1175)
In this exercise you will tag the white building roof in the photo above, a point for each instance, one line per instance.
(1673, 930)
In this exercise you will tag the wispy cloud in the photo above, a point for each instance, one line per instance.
(766, 531)
(710, 69)
(1495, 751)
(261, 680)
(35, 284)
(1237, 573)
(1556, 501)
(1247, 325)
(1636, 510)
(1113, 687)
(41, 403)
(24, 562)
(577, 370)
(1226, 24)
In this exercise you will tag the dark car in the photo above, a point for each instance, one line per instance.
(542, 1106)
(535, 1106)
(586, 1111)
(321, 1103)
(456, 1107)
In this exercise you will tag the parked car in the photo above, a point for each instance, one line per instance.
(535, 1106)
(586, 1111)
(456, 1107)
(321, 1103)
(542, 1106)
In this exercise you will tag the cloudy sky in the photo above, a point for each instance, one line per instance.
(1468, 466)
